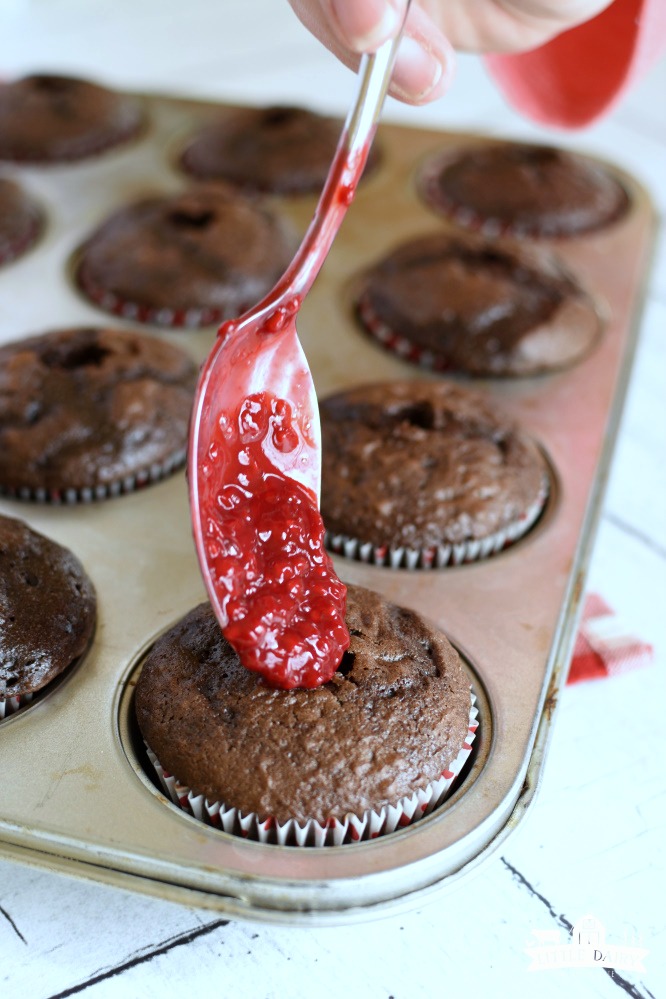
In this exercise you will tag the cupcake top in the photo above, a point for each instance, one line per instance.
(47, 609)
(527, 190)
(189, 259)
(281, 150)
(389, 721)
(20, 221)
(422, 464)
(458, 301)
(50, 119)
(84, 409)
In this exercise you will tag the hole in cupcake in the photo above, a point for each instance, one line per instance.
(419, 414)
(502, 444)
(31, 579)
(347, 662)
(32, 412)
(52, 84)
(192, 219)
(69, 356)
(538, 155)
(279, 115)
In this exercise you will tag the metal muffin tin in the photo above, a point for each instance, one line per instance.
(75, 795)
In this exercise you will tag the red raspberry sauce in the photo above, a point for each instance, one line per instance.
(264, 537)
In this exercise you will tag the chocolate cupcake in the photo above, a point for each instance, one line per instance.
(189, 259)
(424, 475)
(523, 190)
(309, 766)
(55, 119)
(47, 612)
(89, 413)
(20, 221)
(460, 302)
(280, 150)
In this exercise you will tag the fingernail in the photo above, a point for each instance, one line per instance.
(417, 70)
(365, 26)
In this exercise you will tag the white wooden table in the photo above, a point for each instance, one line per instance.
(594, 843)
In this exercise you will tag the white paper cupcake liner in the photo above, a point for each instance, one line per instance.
(439, 556)
(193, 318)
(436, 199)
(131, 128)
(9, 705)
(440, 362)
(24, 242)
(334, 832)
(102, 491)
(406, 349)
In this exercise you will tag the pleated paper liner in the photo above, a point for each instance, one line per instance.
(14, 249)
(334, 832)
(109, 301)
(439, 556)
(132, 127)
(430, 191)
(100, 491)
(397, 344)
(432, 360)
(10, 705)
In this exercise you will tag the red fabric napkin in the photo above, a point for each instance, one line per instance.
(604, 646)
(581, 74)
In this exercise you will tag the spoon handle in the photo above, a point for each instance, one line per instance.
(374, 76)
(344, 174)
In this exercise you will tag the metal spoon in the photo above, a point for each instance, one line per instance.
(254, 454)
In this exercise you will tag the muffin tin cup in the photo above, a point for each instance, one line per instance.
(102, 491)
(83, 153)
(432, 360)
(439, 556)
(192, 318)
(468, 218)
(308, 181)
(31, 235)
(334, 832)
(87, 148)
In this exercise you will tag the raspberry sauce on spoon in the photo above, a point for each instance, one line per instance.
(254, 456)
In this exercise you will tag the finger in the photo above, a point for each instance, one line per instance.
(364, 26)
(425, 59)
(425, 62)
(316, 16)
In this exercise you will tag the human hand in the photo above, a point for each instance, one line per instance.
(425, 61)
